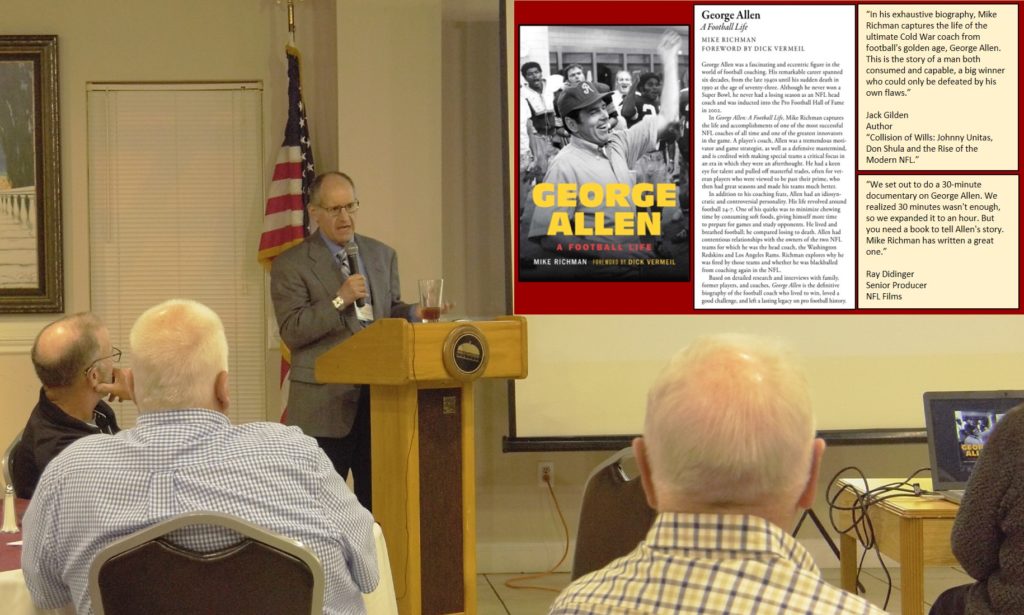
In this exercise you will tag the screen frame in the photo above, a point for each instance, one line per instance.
(512, 442)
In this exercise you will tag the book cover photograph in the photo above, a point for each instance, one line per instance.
(973, 429)
(603, 141)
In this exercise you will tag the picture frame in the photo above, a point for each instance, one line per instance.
(31, 234)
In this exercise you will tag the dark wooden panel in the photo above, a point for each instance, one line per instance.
(441, 560)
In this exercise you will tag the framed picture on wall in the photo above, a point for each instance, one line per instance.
(31, 264)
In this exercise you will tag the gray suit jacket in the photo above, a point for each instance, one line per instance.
(303, 281)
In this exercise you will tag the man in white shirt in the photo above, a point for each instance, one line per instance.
(185, 455)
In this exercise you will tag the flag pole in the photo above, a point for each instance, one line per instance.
(285, 218)
(291, 21)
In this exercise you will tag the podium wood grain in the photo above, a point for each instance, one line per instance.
(424, 474)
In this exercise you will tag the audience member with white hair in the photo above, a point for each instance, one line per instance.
(185, 455)
(728, 459)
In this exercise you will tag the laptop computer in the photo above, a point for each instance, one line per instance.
(959, 423)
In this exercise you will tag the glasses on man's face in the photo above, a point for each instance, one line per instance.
(115, 356)
(334, 212)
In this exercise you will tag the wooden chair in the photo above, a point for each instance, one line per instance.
(264, 573)
(614, 516)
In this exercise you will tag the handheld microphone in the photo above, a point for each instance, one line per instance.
(352, 253)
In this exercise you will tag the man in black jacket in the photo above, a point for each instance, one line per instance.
(74, 360)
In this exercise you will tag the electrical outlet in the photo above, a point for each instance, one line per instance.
(545, 470)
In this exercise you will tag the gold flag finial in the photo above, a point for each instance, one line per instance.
(291, 18)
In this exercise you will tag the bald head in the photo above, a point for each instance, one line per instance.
(328, 180)
(331, 195)
(729, 425)
(179, 352)
(65, 348)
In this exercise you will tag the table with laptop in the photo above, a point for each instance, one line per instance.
(913, 520)
(911, 529)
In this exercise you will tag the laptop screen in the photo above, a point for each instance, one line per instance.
(959, 423)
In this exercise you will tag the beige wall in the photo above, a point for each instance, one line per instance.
(106, 40)
(406, 97)
(518, 526)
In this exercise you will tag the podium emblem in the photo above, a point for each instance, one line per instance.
(465, 353)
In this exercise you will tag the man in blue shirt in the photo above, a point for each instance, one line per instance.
(185, 455)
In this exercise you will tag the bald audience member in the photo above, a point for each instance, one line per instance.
(74, 360)
(728, 459)
(185, 455)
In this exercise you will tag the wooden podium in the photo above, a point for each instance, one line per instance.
(424, 491)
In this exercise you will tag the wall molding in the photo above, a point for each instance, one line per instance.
(532, 557)
(17, 337)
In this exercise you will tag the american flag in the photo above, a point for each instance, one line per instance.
(285, 219)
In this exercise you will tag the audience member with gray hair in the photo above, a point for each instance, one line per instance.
(74, 360)
(185, 455)
(728, 459)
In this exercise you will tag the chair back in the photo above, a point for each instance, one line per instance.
(614, 516)
(7, 462)
(264, 573)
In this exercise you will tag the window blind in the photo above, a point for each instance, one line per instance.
(175, 209)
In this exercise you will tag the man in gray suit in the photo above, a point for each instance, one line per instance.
(315, 295)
